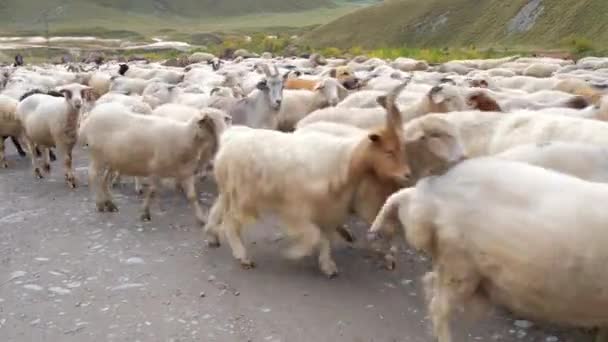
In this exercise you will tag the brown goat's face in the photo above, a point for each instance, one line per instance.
(483, 103)
(387, 156)
(346, 77)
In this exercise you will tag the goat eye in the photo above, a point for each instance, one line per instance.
(435, 135)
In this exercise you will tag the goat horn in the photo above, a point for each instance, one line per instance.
(394, 115)
(266, 69)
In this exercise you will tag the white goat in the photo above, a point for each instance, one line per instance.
(511, 234)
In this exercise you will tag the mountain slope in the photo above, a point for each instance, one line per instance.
(113, 14)
(190, 8)
(465, 22)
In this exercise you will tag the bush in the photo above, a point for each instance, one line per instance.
(578, 45)
(331, 52)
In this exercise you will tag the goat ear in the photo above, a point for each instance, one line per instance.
(333, 73)
(374, 137)
(381, 100)
(206, 123)
(66, 93)
(88, 94)
(262, 85)
(438, 97)
(436, 94)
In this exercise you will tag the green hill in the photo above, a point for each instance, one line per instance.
(149, 16)
(483, 23)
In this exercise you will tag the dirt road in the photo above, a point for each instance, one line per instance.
(68, 273)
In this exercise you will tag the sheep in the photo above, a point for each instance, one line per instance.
(136, 145)
(487, 133)
(299, 83)
(440, 99)
(220, 102)
(260, 109)
(345, 76)
(424, 143)
(215, 63)
(10, 126)
(526, 83)
(18, 61)
(454, 67)
(579, 87)
(299, 103)
(184, 113)
(361, 99)
(581, 160)
(50, 121)
(199, 57)
(128, 85)
(545, 60)
(477, 222)
(313, 61)
(100, 82)
(540, 70)
(408, 64)
(251, 167)
(134, 103)
(164, 75)
(483, 100)
(158, 93)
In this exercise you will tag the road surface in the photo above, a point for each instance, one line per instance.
(68, 273)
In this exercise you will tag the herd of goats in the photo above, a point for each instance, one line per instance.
(491, 167)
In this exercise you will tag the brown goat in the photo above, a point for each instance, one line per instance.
(301, 83)
(483, 102)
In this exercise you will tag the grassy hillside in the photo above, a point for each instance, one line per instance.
(483, 23)
(150, 16)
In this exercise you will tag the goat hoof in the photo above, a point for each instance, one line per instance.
(247, 264)
(22, 154)
(71, 182)
(111, 207)
(390, 265)
(5, 165)
(101, 207)
(346, 234)
(37, 173)
(212, 240)
(46, 168)
(145, 216)
(213, 244)
(330, 269)
(332, 275)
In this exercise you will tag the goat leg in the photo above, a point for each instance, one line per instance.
(17, 145)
